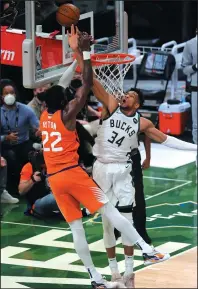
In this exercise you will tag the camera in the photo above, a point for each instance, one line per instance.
(37, 161)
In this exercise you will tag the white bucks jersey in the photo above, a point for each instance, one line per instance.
(116, 137)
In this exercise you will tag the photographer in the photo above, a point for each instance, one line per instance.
(34, 185)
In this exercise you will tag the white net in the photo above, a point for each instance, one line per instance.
(111, 74)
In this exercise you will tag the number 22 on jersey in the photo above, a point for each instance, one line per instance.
(48, 144)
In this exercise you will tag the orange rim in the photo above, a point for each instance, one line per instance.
(102, 59)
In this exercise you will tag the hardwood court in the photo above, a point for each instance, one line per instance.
(40, 253)
(178, 272)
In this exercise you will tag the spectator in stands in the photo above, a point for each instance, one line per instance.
(34, 186)
(189, 64)
(37, 104)
(16, 120)
(5, 196)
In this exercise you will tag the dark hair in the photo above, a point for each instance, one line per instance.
(7, 82)
(140, 95)
(76, 83)
(55, 97)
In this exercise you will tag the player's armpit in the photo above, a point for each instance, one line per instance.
(149, 129)
(108, 100)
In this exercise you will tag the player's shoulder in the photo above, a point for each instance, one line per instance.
(145, 123)
(23, 106)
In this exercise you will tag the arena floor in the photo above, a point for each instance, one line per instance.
(40, 254)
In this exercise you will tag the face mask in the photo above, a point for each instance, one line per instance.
(9, 99)
(40, 97)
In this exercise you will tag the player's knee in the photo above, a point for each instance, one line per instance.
(125, 241)
(76, 225)
(108, 233)
(78, 231)
(109, 237)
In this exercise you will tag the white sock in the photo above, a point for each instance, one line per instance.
(125, 227)
(113, 265)
(129, 263)
(82, 249)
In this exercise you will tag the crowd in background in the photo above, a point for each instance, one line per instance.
(20, 143)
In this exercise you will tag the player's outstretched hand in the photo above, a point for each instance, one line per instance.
(73, 38)
(84, 41)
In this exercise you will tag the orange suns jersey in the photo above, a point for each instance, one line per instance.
(59, 144)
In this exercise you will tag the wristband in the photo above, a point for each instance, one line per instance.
(32, 177)
(86, 55)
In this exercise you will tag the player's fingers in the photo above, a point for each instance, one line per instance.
(68, 34)
(78, 31)
(72, 29)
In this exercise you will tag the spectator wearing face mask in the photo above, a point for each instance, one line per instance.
(16, 121)
(37, 104)
(6, 198)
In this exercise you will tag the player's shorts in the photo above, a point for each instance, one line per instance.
(72, 187)
(116, 182)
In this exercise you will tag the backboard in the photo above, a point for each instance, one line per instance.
(45, 56)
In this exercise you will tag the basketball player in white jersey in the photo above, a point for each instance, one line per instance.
(116, 137)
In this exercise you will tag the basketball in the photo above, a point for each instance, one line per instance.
(67, 14)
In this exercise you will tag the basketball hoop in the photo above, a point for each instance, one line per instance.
(110, 70)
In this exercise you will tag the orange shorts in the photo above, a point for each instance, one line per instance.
(73, 187)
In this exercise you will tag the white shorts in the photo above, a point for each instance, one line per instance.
(116, 182)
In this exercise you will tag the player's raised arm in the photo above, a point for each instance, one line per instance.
(108, 100)
(149, 129)
(100, 93)
(75, 106)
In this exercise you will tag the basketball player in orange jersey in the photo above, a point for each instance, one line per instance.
(70, 184)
